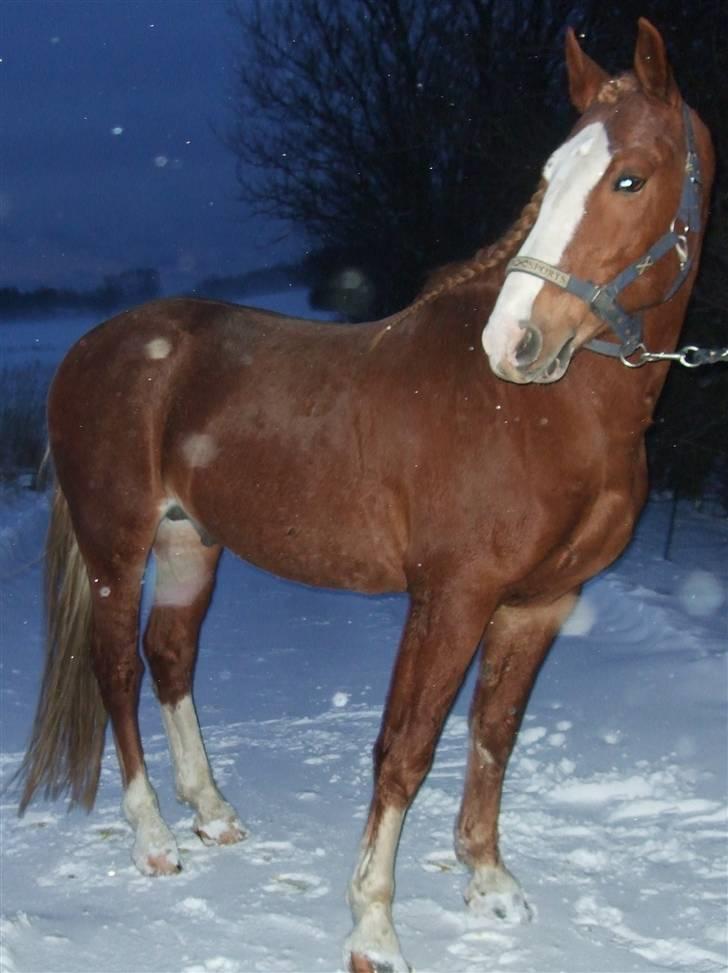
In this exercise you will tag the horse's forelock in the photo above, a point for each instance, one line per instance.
(614, 89)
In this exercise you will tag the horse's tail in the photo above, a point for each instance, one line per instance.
(67, 743)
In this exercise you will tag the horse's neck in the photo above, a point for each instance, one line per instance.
(628, 396)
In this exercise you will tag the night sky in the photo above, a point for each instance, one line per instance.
(108, 156)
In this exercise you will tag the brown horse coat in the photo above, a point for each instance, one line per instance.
(379, 457)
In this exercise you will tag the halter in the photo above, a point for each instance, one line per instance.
(602, 298)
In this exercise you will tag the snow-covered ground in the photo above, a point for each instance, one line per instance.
(615, 811)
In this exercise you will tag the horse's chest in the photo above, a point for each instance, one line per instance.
(585, 547)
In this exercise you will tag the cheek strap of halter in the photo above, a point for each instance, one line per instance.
(602, 298)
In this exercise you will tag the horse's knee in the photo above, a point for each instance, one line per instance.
(491, 743)
(400, 766)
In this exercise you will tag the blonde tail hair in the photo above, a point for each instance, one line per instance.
(67, 743)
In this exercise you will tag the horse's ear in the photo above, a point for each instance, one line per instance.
(585, 75)
(651, 65)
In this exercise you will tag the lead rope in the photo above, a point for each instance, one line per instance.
(691, 356)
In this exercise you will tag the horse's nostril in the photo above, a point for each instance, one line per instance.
(564, 356)
(529, 347)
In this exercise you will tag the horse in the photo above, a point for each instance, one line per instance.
(488, 483)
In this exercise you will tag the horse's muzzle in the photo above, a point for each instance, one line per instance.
(530, 364)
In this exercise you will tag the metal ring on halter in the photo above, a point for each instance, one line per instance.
(643, 359)
(685, 354)
(681, 243)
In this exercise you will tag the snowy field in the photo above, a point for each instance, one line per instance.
(615, 809)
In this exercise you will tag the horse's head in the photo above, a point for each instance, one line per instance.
(620, 218)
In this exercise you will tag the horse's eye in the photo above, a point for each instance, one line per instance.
(628, 184)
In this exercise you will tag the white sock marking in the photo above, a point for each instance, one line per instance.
(370, 896)
(191, 766)
(193, 777)
(373, 879)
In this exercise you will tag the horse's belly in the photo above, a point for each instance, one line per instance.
(326, 558)
(326, 540)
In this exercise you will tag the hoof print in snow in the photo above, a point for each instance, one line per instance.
(441, 861)
(297, 883)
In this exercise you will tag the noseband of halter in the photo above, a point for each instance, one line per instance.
(602, 298)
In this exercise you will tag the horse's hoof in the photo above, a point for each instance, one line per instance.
(156, 854)
(359, 963)
(372, 946)
(161, 864)
(507, 909)
(220, 832)
(495, 895)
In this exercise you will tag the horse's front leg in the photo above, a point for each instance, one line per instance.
(515, 645)
(439, 640)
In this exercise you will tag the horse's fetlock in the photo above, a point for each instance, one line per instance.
(474, 851)
(366, 889)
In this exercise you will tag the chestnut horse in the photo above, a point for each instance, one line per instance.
(384, 457)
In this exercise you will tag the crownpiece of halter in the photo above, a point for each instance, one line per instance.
(602, 298)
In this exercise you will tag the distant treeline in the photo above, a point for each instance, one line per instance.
(333, 278)
(143, 284)
(116, 290)
(264, 280)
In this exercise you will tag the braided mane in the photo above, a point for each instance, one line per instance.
(485, 259)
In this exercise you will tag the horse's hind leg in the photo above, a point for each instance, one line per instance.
(516, 644)
(115, 586)
(184, 582)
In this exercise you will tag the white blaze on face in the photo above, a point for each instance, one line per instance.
(572, 172)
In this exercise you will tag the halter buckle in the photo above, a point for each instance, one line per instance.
(681, 249)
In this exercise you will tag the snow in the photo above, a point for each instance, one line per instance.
(615, 812)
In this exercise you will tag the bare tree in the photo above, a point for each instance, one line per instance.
(398, 133)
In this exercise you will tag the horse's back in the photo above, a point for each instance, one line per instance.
(145, 359)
